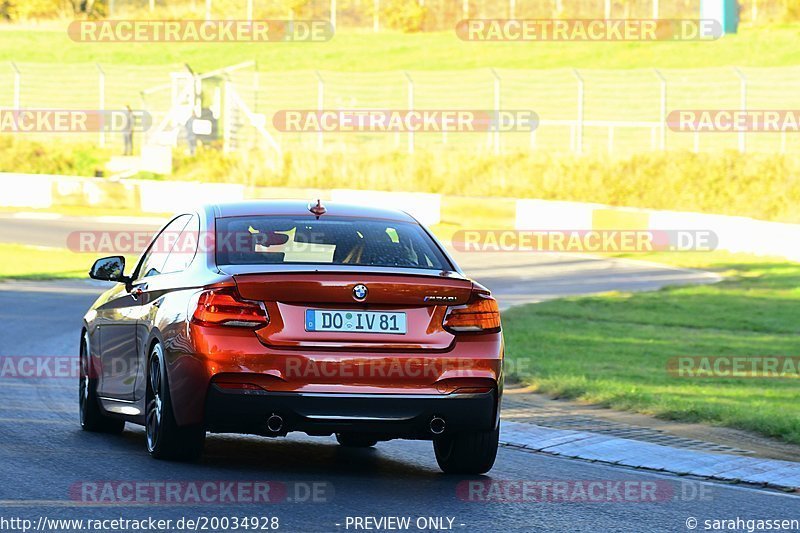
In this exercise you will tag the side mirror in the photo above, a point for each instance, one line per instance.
(109, 269)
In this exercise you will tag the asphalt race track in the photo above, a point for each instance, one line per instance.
(50, 468)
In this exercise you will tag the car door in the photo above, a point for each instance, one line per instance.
(118, 344)
(155, 287)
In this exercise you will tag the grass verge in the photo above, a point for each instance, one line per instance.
(18, 154)
(391, 50)
(613, 349)
(39, 262)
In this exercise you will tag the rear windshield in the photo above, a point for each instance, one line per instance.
(269, 240)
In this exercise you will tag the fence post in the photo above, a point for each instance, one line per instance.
(512, 9)
(579, 122)
(256, 87)
(663, 110)
(208, 9)
(465, 9)
(250, 10)
(743, 97)
(376, 17)
(152, 5)
(17, 85)
(227, 113)
(410, 88)
(496, 112)
(101, 80)
(607, 10)
(655, 10)
(320, 103)
(333, 14)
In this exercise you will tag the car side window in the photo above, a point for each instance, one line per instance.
(153, 261)
(185, 248)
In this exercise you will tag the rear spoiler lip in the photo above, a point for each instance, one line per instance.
(245, 270)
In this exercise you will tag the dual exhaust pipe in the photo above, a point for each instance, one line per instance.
(437, 424)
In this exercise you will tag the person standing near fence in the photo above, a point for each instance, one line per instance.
(127, 130)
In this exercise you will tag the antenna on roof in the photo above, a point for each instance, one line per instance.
(317, 209)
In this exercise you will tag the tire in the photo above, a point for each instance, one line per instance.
(165, 439)
(467, 453)
(91, 417)
(355, 440)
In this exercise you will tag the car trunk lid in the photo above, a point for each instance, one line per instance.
(288, 297)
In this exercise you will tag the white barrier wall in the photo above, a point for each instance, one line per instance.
(26, 190)
(425, 207)
(554, 215)
(172, 196)
(734, 234)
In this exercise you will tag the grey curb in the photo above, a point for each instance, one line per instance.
(784, 475)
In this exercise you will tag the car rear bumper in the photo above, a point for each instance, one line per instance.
(383, 415)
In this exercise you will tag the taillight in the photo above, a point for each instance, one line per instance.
(224, 307)
(480, 315)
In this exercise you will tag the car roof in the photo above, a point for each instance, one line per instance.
(301, 208)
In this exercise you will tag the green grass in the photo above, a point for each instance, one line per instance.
(21, 154)
(365, 51)
(613, 349)
(35, 262)
(39, 263)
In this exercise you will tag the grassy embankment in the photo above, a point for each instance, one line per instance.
(613, 349)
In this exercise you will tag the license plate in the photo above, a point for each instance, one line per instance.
(355, 321)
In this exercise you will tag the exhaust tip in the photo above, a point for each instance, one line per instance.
(274, 423)
(437, 425)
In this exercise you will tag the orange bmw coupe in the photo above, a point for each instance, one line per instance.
(267, 317)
